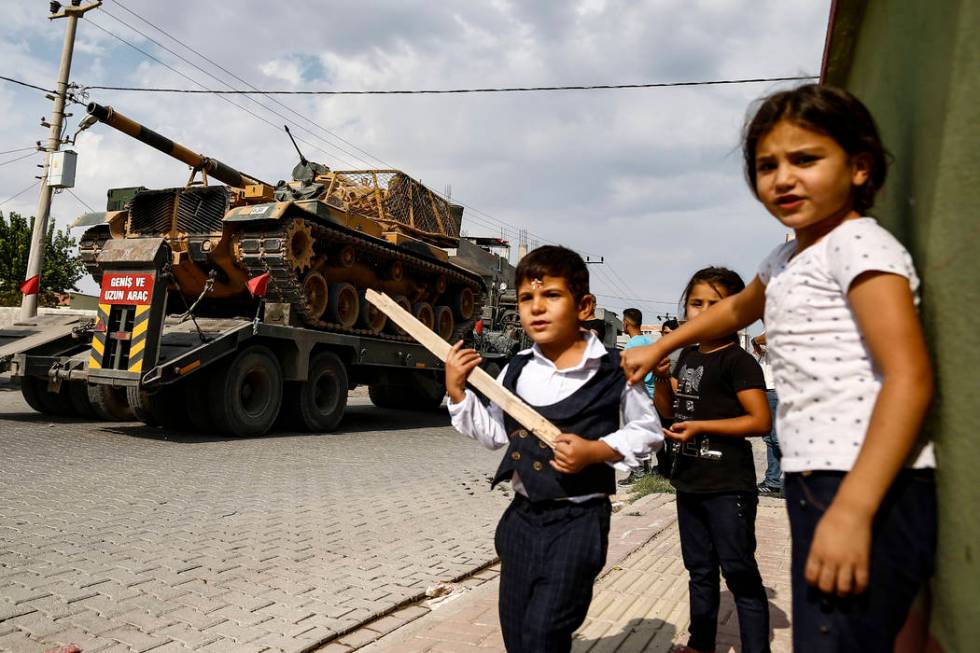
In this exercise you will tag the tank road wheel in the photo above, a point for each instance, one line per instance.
(370, 317)
(317, 293)
(423, 313)
(346, 256)
(440, 284)
(319, 403)
(78, 394)
(246, 392)
(393, 328)
(299, 248)
(465, 303)
(110, 403)
(444, 322)
(344, 304)
(395, 271)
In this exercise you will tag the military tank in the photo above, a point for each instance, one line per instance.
(321, 238)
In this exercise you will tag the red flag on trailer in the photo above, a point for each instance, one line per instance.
(257, 285)
(32, 285)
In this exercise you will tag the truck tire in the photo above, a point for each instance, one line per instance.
(110, 403)
(196, 402)
(318, 403)
(381, 395)
(78, 394)
(139, 401)
(31, 388)
(408, 392)
(36, 394)
(246, 392)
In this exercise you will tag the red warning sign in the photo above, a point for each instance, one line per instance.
(126, 288)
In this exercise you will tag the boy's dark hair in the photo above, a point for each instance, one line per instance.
(724, 281)
(634, 315)
(671, 324)
(830, 111)
(555, 261)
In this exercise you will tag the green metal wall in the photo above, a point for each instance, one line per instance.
(917, 66)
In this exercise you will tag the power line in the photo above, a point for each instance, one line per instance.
(20, 149)
(447, 91)
(15, 196)
(194, 81)
(638, 300)
(251, 86)
(219, 80)
(80, 200)
(17, 81)
(20, 158)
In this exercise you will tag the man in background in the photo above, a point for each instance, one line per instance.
(632, 321)
(772, 484)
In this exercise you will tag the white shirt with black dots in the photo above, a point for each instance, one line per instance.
(825, 378)
(543, 384)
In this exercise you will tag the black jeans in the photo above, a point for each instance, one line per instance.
(903, 549)
(718, 530)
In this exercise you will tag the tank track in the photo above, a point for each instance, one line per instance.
(265, 251)
(89, 246)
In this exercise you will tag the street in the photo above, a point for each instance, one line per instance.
(116, 536)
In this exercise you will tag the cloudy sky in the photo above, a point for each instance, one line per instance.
(649, 179)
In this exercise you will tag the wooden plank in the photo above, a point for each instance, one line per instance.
(508, 401)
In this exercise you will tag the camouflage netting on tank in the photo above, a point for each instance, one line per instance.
(397, 200)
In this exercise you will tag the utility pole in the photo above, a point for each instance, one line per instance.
(35, 260)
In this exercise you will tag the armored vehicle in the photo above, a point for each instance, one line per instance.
(316, 242)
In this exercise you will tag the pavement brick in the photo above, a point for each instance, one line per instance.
(135, 638)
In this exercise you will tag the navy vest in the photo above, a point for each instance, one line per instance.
(591, 412)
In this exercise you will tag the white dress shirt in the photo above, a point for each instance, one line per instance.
(542, 384)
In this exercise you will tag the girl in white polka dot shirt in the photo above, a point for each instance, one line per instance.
(851, 370)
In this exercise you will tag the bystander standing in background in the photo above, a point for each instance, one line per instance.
(632, 323)
(772, 484)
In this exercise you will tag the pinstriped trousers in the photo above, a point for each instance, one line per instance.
(550, 554)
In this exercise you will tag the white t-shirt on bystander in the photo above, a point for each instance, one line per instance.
(824, 374)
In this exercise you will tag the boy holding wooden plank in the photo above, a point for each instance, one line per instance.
(552, 540)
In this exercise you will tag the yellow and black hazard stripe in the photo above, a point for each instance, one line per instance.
(137, 345)
(97, 353)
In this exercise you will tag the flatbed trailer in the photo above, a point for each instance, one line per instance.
(238, 376)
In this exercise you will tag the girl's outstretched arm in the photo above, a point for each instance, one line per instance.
(885, 312)
(724, 318)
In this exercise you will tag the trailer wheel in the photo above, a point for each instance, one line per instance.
(196, 401)
(409, 392)
(37, 396)
(381, 396)
(110, 403)
(246, 393)
(139, 401)
(78, 394)
(31, 388)
(320, 401)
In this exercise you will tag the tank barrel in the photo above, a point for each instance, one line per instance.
(214, 168)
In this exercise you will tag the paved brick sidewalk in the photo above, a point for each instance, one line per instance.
(640, 602)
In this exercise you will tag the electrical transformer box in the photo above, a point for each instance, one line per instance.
(61, 172)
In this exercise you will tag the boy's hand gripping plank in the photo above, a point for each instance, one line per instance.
(509, 402)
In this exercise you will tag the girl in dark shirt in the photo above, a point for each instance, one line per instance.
(716, 395)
